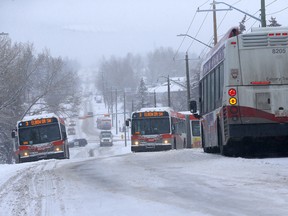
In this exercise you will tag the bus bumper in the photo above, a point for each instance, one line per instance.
(58, 155)
(146, 148)
(258, 130)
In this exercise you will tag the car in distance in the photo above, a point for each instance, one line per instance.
(81, 142)
(90, 114)
(72, 123)
(106, 138)
(71, 131)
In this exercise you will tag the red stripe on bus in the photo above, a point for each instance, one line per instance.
(58, 143)
(249, 112)
(21, 147)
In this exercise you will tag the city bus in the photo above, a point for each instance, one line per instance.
(104, 122)
(40, 137)
(243, 88)
(194, 130)
(159, 128)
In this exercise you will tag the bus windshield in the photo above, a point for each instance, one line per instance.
(150, 126)
(39, 134)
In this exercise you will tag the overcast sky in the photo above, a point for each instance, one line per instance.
(86, 30)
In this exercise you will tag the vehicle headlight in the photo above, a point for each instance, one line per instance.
(58, 148)
(166, 141)
(136, 142)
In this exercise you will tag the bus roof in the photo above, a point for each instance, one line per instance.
(268, 29)
(47, 115)
(169, 110)
(153, 109)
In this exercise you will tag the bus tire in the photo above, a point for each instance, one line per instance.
(222, 148)
(18, 160)
(67, 152)
(205, 149)
(175, 143)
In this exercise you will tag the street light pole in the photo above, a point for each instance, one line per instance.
(168, 91)
(238, 9)
(187, 69)
(195, 39)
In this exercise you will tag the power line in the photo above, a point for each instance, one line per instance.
(278, 11)
(271, 3)
(266, 14)
(199, 29)
(188, 30)
(185, 36)
(211, 39)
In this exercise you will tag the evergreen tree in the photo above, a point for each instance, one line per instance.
(142, 95)
(273, 22)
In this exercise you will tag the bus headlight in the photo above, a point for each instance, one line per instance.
(25, 154)
(136, 142)
(166, 141)
(58, 148)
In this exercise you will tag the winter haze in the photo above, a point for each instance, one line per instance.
(86, 30)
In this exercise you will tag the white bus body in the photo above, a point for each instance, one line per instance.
(244, 93)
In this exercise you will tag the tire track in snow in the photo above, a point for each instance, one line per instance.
(35, 190)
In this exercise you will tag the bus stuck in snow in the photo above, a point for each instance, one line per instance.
(40, 137)
(243, 94)
(161, 128)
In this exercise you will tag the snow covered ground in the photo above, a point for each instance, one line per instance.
(113, 181)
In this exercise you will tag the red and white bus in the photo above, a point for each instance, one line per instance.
(244, 93)
(104, 122)
(40, 137)
(158, 128)
(195, 130)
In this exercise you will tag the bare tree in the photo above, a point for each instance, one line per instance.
(242, 26)
(24, 81)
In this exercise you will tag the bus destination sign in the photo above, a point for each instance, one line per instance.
(150, 114)
(36, 122)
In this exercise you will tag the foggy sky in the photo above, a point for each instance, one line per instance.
(86, 30)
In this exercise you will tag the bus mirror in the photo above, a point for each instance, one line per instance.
(193, 107)
(13, 134)
(127, 122)
(64, 135)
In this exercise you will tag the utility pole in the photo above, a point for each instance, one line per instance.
(124, 114)
(154, 98)
(214, 23)
(116, 113)
(169, 98)
(187, 81)
(263, 14)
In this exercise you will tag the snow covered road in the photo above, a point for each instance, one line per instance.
(117, 182)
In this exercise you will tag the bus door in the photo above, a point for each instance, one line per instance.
(195, 133)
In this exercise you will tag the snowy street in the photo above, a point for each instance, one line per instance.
(143, 108)
(116, 182)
